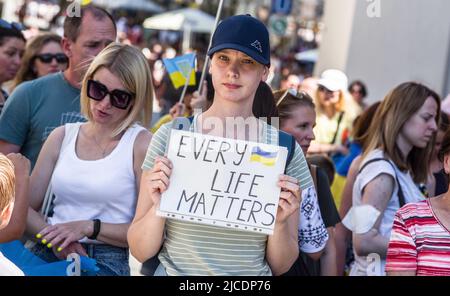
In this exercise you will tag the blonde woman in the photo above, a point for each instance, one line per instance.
(94, 167)
(43, 55)
(336, 111)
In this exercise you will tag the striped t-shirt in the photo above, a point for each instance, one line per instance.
(419, 242)
(195, 249)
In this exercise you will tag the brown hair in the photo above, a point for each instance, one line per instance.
(399, 105)
(360, 132)
(264, 103)
(445, 146)
(26, 71)
(444, 122)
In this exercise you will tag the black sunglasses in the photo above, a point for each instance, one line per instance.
(47, 58)
(118, 98)
(15, 26)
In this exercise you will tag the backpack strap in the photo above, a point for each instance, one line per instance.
(288, 141)
(401, 196)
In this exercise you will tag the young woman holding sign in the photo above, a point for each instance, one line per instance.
(240, 56)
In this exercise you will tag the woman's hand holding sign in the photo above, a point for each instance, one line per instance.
(146, 233)
(159, 178)
(285, 235)
(290, 198)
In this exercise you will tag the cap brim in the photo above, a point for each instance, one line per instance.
(328, 84)
(246, 50)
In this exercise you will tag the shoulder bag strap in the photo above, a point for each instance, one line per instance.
(401, 196)
(341, 115)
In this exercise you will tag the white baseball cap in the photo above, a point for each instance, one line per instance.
(333, 80)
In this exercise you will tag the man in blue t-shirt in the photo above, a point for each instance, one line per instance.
(36, 107)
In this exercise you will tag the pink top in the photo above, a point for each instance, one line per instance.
(419, 242)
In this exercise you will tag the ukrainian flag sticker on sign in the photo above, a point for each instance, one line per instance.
(264, 157)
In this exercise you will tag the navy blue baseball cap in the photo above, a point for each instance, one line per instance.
(244, 33)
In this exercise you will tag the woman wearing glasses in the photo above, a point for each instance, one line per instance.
(94, 167)
(298, 118)
(43, 55)
(12, 44)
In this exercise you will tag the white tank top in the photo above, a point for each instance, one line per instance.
(102, 189)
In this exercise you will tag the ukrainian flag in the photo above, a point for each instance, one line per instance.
(264, 157)
(181, 67)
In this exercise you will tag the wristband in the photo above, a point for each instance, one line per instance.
(97, 224)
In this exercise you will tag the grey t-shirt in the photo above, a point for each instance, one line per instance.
(35, 108)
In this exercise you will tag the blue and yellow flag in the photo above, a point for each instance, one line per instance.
(181, 67)
(264, 157)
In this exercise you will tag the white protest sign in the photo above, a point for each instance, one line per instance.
(223, 182)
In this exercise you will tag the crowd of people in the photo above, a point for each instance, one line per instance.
(83, 162)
